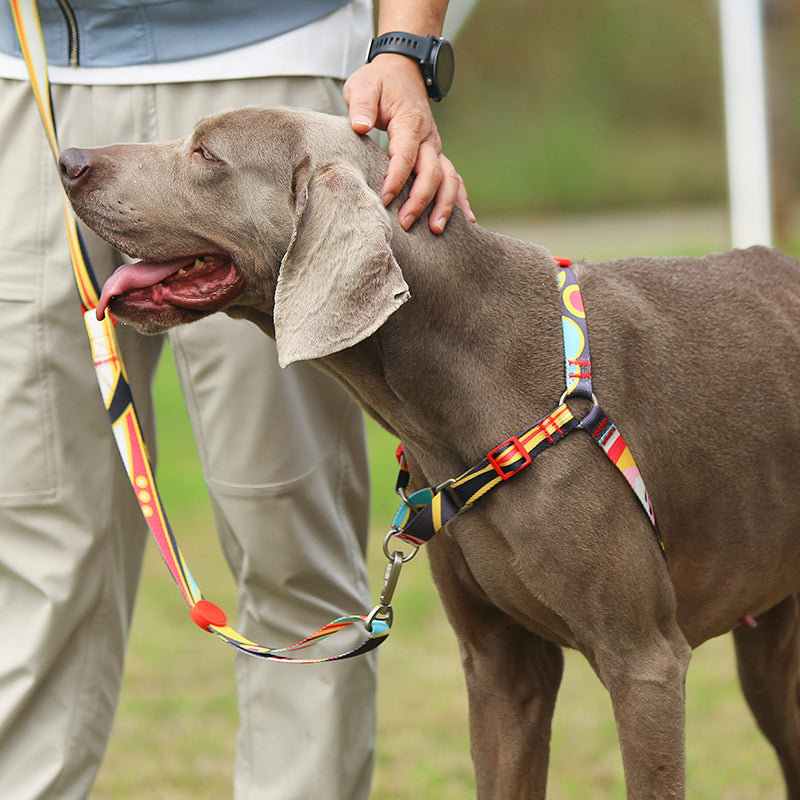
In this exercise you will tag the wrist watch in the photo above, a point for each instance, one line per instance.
(433, 54)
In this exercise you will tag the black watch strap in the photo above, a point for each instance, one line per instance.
(405, 44)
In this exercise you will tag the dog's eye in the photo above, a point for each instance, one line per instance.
(203, 152)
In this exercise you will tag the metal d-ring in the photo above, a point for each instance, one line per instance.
(567, 394)
(406, 556)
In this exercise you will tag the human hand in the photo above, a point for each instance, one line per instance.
(389, 94)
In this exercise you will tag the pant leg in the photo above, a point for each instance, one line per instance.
(283, 455)
(71, 536)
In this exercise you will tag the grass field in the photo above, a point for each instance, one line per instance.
(177, 721)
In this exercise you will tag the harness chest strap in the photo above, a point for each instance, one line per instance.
(425, 512)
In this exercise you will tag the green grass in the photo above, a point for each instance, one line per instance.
(598, 104)
(581, 160)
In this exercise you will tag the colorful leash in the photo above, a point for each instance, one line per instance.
(426, 511)
(118, 401)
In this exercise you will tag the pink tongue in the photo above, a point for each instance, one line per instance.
(137, 276)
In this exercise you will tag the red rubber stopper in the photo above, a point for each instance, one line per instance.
(204, 614)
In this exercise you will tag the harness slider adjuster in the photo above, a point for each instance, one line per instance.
(493, 457)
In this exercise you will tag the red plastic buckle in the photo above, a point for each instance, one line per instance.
(526, 456)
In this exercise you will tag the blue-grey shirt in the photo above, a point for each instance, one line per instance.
(118, 33)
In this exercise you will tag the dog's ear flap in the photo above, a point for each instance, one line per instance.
(339, 281)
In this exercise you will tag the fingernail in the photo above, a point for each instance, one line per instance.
(387, 198)
(406, 222)
(360, 119)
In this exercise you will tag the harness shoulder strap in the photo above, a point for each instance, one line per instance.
(578, 365)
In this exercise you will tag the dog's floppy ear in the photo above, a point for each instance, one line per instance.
(339, 281)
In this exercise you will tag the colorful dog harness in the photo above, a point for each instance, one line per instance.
(426, 511)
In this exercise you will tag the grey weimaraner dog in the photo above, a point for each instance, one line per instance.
(454, 343)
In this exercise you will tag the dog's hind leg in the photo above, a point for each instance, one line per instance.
(768, 660)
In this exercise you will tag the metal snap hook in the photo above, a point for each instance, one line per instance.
(390, 577)
(383, 610)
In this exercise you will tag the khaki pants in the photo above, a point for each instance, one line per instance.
(283, 456)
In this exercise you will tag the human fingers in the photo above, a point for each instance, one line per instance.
(451, 191)
(362, 95)
(428, 176)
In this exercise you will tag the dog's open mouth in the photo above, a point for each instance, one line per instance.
(194, 283)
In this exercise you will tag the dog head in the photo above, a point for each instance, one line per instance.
(269, 214)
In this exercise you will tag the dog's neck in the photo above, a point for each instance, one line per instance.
(486, 308)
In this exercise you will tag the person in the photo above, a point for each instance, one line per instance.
(283, 453)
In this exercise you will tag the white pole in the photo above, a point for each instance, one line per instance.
(457, 11)
(741, 28)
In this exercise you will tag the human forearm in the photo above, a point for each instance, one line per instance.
(421, 17)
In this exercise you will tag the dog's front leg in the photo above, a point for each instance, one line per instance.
(512, 679)
(646, 684)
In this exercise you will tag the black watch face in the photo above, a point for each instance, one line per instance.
(444, 67)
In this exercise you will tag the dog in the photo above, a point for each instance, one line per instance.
(454, 343)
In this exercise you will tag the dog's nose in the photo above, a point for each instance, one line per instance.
(75, 166)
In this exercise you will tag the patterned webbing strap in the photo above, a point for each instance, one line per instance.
(118, 401)
(426, 511)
